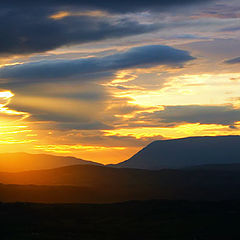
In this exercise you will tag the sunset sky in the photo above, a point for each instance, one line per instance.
(99, 80)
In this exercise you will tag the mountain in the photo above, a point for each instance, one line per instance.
(97, 184)
(186, 152)
(17, 162)
(217, 167)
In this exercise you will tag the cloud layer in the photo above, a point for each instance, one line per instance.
(233, 61)
(26, 26)
(219, 114)
(76, 77)
(33, 31)
(108, 5)
(138, 57)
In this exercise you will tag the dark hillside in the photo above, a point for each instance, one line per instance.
(186, 152)
(150, 220)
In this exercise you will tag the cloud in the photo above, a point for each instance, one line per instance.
(124, 108)
(137, 57)
(62, 113)
(71, 106)
(223, 10)
(203, 114)
(32, 31)
(99, 138)
(230, 29)
(233, 61)
(108, 5)
(26, 26)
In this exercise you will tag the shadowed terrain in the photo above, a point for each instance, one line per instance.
(186, 152)
(151, 220)
(96, 184)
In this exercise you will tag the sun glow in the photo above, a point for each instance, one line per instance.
(13, 130)
(69, 148)
(6, 94)
(185, 130)
(62, 14)
(185, 89)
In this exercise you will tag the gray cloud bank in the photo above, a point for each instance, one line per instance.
(108, 5)
(224, 115)
(138, 57)
(25, 26)
(32, 31)
(233, 61)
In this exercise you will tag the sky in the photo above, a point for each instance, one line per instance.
(100, 80)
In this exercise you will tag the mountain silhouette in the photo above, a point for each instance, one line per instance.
(186, 152)
(17, 162)
(198, 168)
(98, 184)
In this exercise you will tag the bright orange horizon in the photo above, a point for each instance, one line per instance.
(99, 84)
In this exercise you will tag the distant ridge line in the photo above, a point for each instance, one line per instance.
(186, 152)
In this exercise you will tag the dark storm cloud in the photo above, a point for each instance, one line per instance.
(138, 57)
(108, 5)
(25, 26)
(225, 115)
(233, 61)
(31, 31)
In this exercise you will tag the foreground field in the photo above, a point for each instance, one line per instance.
(175, 220)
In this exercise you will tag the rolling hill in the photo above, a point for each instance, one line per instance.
(186, 152)
(199, 168)
(96, 184)
(17, 162)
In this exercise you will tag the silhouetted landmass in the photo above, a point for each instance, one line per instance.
(150, 220)
(217, 167)
(95, 184)
(17, 162)
(186, 152)
(185, 177)
(203, 200)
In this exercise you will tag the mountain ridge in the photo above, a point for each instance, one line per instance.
(100, 184)
(21, 161)
(185, 152)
